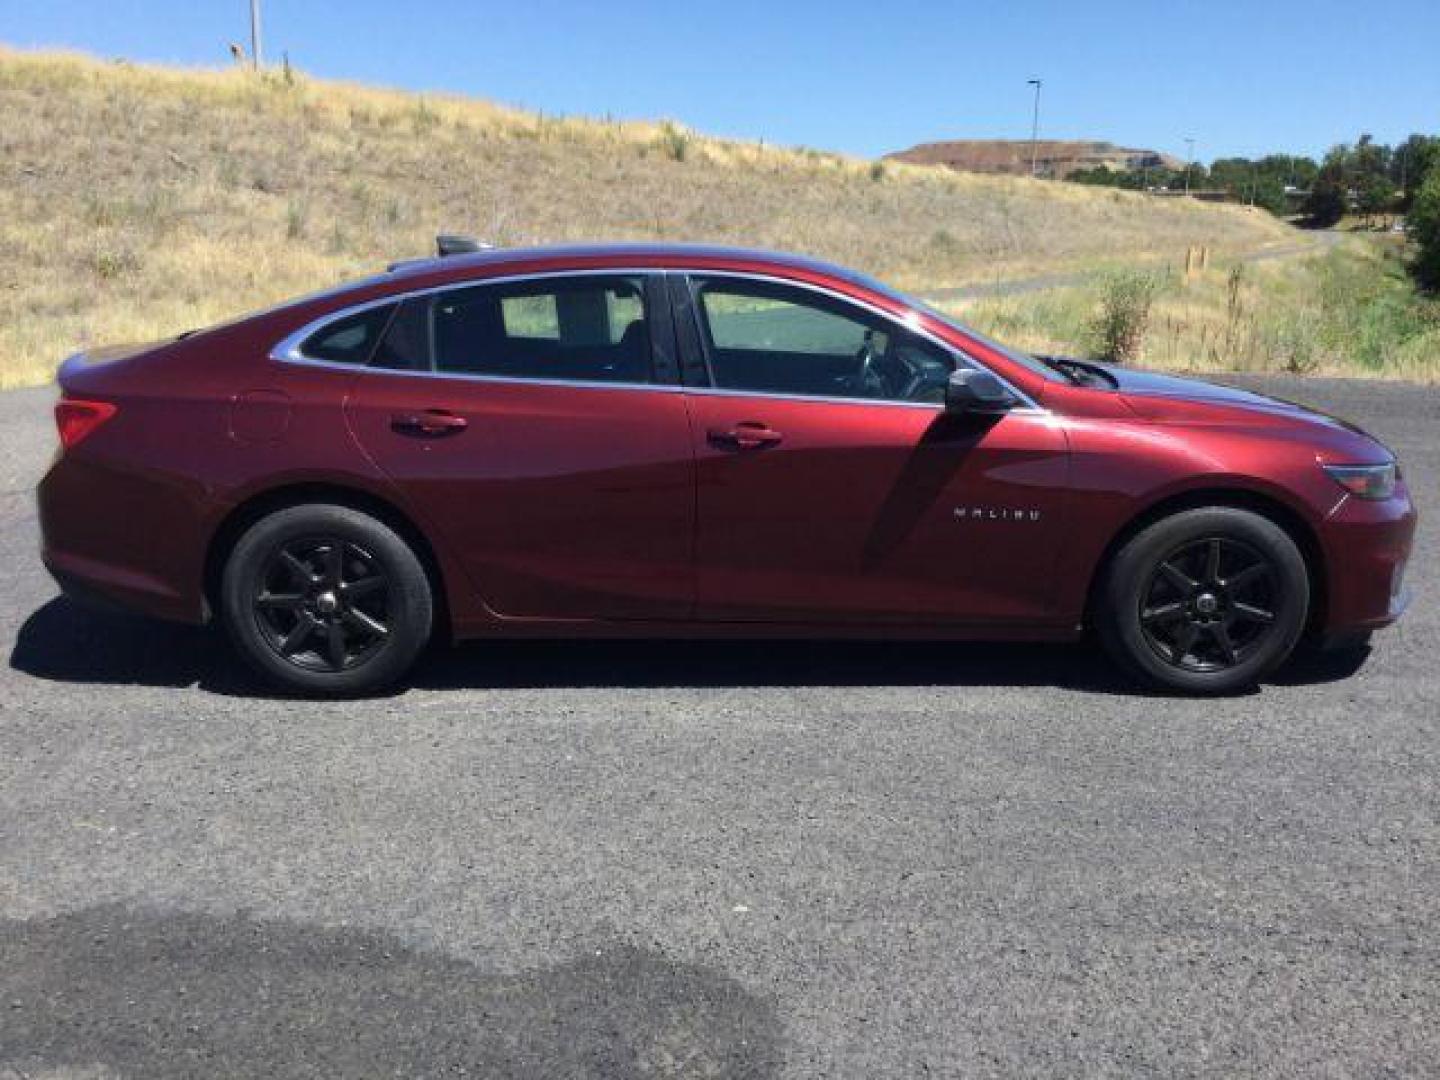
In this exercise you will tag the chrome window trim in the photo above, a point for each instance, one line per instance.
(287, 350)
(583, 384)
(823, 399)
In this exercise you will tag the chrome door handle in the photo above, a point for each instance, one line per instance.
(428, 423)
(746, 435)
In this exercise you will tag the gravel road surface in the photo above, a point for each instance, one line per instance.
(794, 860)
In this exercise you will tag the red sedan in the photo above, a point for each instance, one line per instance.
(657, 441)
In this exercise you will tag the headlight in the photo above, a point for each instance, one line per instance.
(1366, 481)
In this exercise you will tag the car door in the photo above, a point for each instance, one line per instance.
(832, 484)
(537, 426)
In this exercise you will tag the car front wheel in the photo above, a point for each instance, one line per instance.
(1207, 601)
(325, 600)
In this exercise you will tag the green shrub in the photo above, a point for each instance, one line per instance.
(424, 118)
(1423, 223)
(674, 141)
(1126, 297)
(944, 241)
(113, 263)
(1292, 344)
(296, 213)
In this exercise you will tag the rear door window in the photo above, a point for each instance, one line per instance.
(588, 328)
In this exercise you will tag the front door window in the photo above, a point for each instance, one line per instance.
(778, 339)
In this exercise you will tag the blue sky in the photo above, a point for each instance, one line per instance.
(862, 77)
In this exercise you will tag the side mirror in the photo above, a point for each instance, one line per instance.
(971, 390)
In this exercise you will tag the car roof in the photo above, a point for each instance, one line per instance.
(423, 274)
(557, 256)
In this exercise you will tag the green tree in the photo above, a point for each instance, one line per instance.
(1413, 160)
(1233, 174)
(1329, 194)
(1099, 176)
(1423, 224)
(1263, 181)
(1374, 194)
(1269, 192)
(1291, 171)
(1369, 158)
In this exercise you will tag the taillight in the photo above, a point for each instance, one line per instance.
(76, 419)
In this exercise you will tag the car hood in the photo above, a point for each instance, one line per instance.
(1175, 398)
(1185, 402)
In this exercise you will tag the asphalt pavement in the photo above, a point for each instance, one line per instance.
(760, 860)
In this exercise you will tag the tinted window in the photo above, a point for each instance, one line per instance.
(778, 339)
(406, 345)
(778, 324)
(350, 340)
(590, 329)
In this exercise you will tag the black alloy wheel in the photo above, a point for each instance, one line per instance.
(1209, 605)
(1205, 601)
(326, 600)
(321, 603)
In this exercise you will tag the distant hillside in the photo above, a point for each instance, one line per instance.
(1011, 157)
(137, 201)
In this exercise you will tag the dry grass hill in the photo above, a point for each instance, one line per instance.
(1012, 157)
(137, 201)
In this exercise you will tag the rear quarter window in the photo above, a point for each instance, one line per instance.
(350, 340)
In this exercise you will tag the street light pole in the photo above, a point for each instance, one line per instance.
(1034, 124)
(255, 57)
(1189, 161)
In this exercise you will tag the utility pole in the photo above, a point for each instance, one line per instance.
(1189, 161)
(1034, 125)
(255, 58)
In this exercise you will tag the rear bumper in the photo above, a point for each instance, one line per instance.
(1367, 550)
(114, 588)
(118, 539)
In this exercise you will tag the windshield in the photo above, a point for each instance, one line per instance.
(1025, 360)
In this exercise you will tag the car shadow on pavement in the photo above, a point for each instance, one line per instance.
(117, 991)
(68, 642)
(64, 642)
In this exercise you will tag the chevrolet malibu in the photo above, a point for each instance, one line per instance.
(668, 441)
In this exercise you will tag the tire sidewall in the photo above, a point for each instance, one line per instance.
(1131, 571)
(410, 603)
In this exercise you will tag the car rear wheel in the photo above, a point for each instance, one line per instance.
(326, 600)
(1206, 601)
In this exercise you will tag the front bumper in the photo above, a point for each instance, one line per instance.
(1367, 546)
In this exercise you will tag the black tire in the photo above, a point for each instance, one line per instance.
(326, 601)
(1207, 601)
